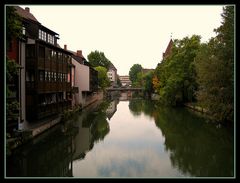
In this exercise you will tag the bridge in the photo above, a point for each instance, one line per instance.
(124, 89)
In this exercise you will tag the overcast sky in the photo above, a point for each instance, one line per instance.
(127, 34)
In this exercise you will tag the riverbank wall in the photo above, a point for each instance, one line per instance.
(22, 137)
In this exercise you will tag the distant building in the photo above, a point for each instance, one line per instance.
(85, 79)
(44, 82)
(125, 80)
(112, 74)
(168, 50)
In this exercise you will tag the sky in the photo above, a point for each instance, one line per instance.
(127, 34)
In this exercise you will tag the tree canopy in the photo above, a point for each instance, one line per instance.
(134, 71)
(103, 80)
(215, 70)
(174, 77)
(97, 58)
(13, 24)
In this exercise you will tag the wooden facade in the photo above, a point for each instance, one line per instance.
(48, 80)
(47, 70)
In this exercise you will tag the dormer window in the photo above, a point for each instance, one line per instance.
(50, 39)
(42, 35)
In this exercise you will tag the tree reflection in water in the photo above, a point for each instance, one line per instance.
(51, 154)
(196, 147)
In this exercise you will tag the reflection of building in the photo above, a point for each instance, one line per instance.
(50, 156)
(124, 96)
(112, 108)
(112, 74)
(83, 139)
(125, 80)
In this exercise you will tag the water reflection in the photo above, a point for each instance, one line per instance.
(52, 153)
(92, 127)
(196, 148)
(135, 138)
(48, 155)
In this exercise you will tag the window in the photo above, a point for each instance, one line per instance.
(68, 77)
(41, 75)
(42, 35)
(52, 76)
(64, 95)
(49, 76)
(54, 55)
(50, 39)
(23, 30)
(46, 75)
(55, 76)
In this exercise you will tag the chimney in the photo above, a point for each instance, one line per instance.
(79, 53)
(27, 9)
(65, 47)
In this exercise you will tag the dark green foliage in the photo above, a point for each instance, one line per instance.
(176, 74)
(148, 86)
(103, 79)
(215, 70)
(13, 24)
(13, 31)
(97, 58)
(134, 75)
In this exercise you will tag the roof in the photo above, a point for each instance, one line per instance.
(79, 59)
(168, 49)
(25, 14)
(111, 66)
(29, 16)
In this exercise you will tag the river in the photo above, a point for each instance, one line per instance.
(130, 138)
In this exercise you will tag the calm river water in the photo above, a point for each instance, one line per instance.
(135, 138)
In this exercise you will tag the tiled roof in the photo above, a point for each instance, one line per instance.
(25, 14)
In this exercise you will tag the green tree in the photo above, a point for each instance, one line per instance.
(13, 24)
(103, 80)
(215, 70)
(13, 31)
(133, 73)
(97, 58)
(148, 85)
(175, 76)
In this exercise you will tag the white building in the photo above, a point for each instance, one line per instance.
(112, 74)
(125, 80)
(85, 78)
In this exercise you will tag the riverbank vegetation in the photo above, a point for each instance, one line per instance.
(197, 73)
(201, 72)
